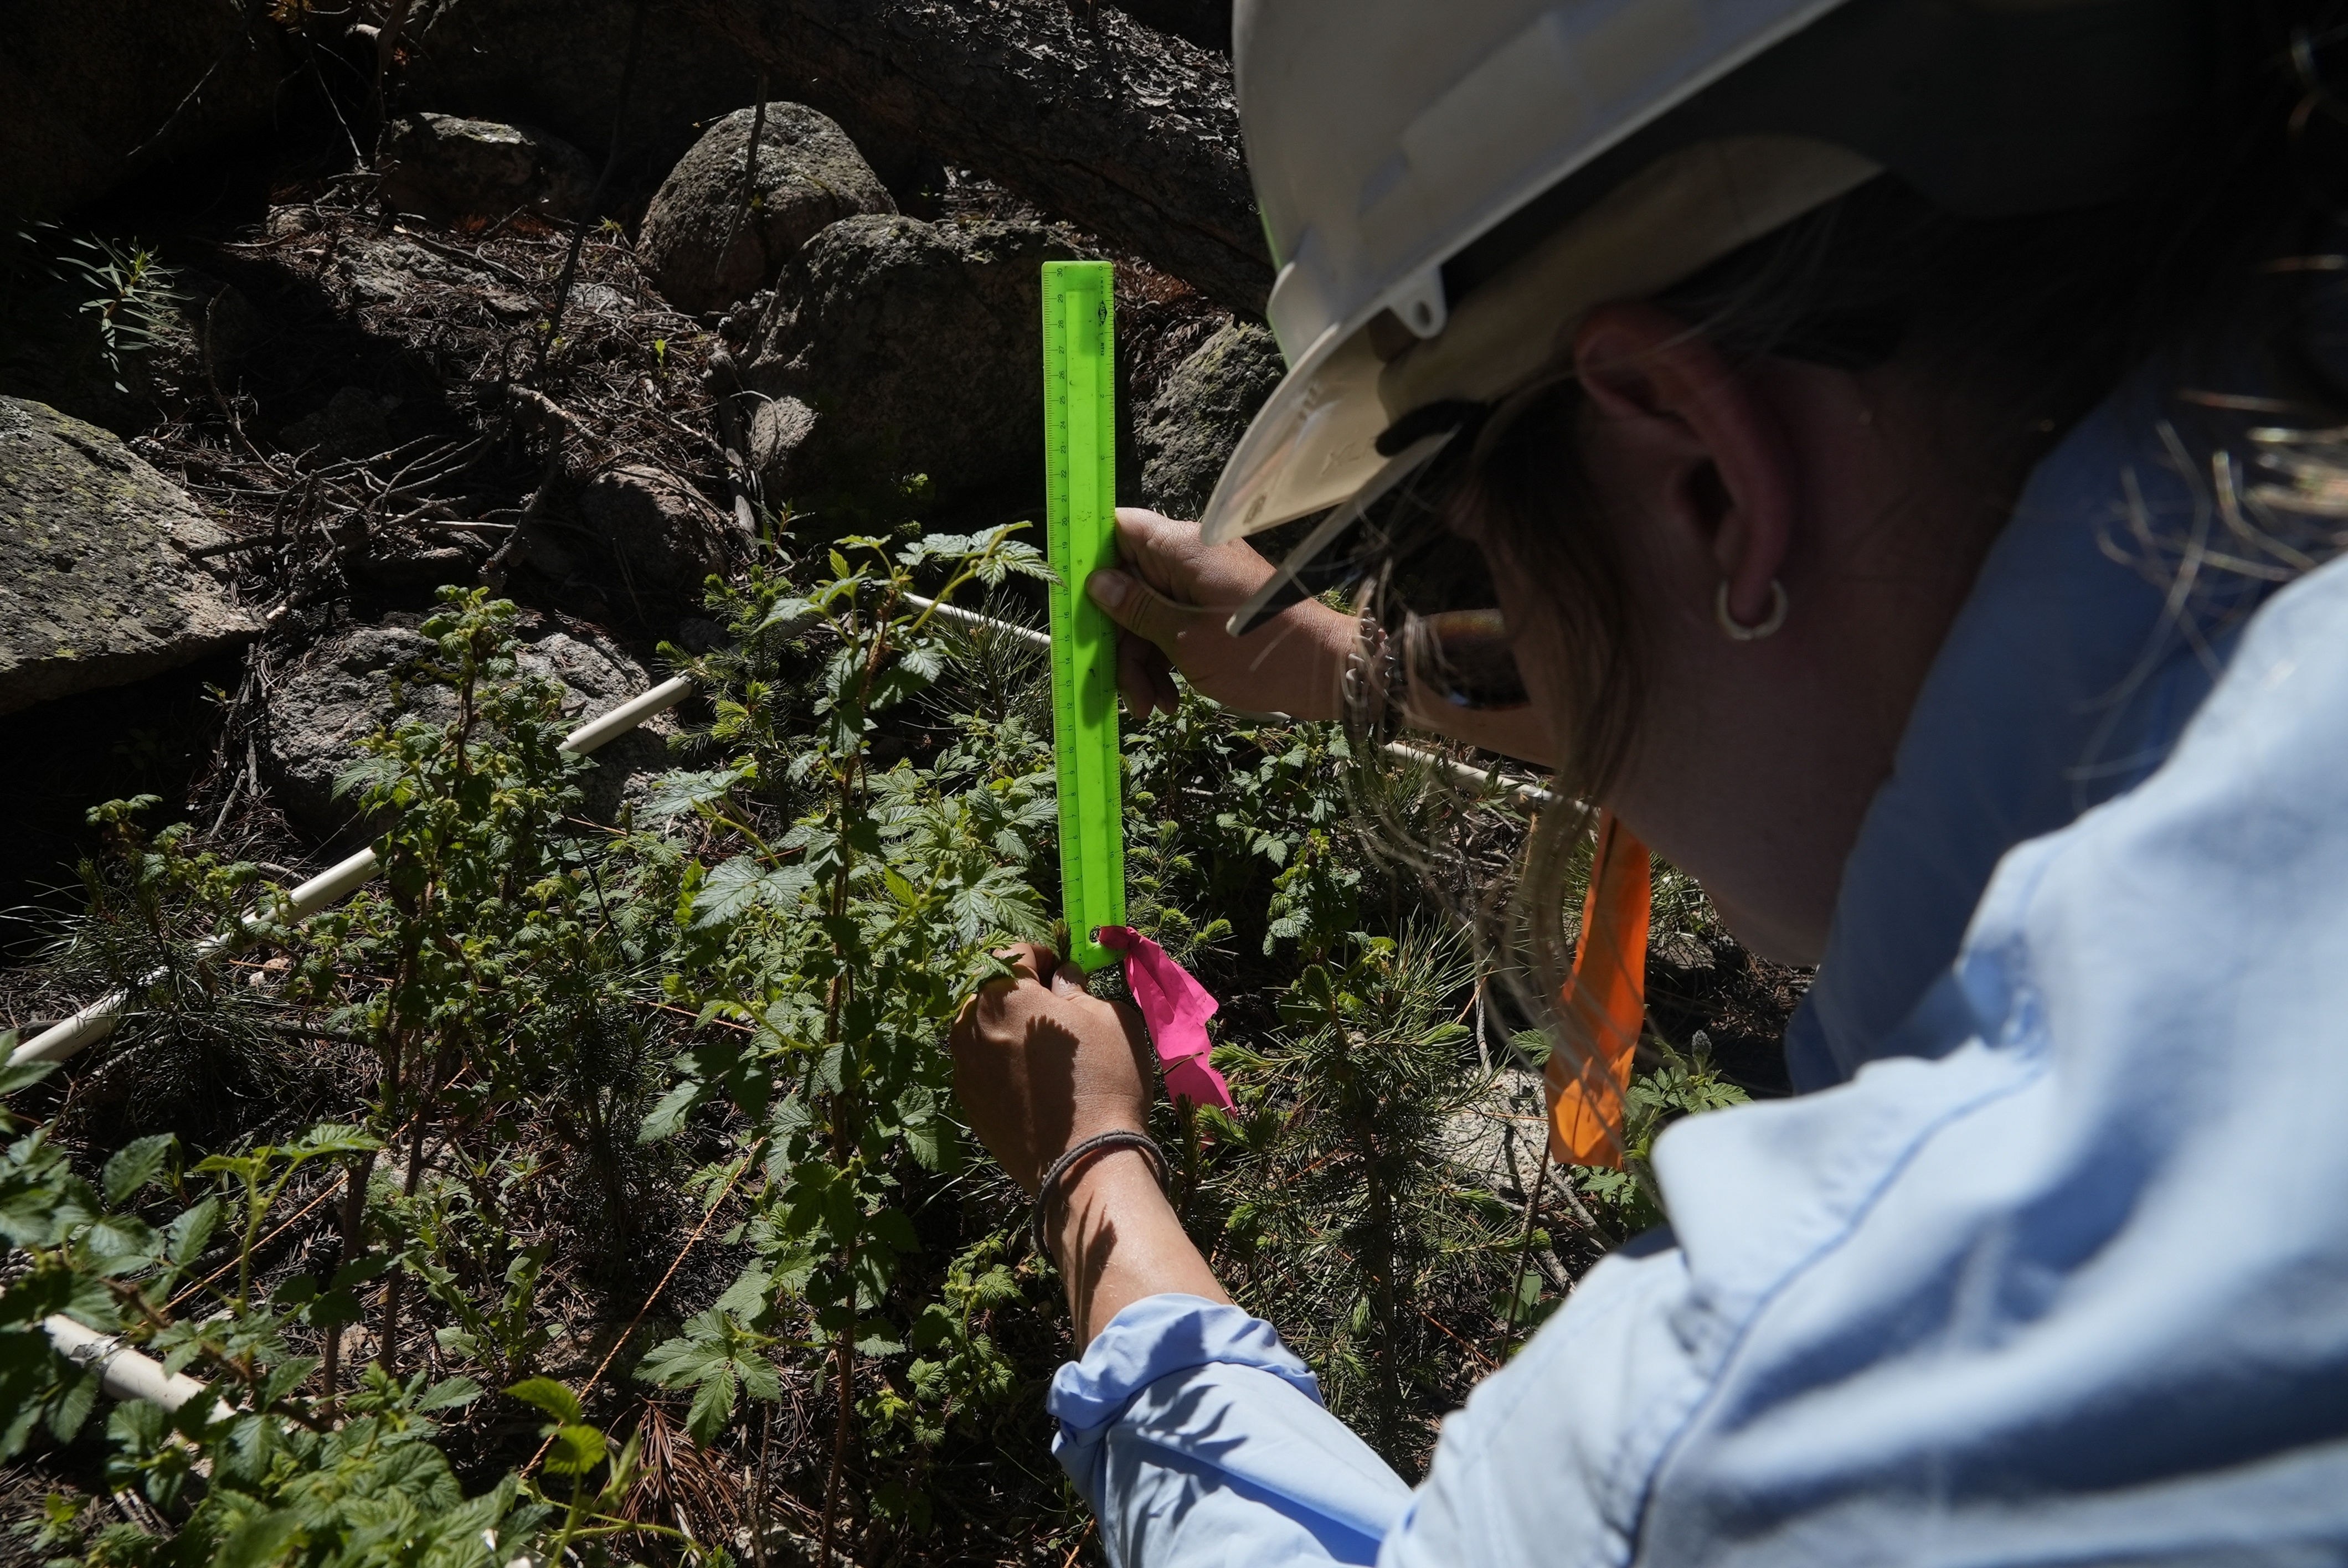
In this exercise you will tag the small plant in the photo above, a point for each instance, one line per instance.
(833, 945)
(134, 298)
(1355, 1216)
(1677, 1085)
(504, 1094)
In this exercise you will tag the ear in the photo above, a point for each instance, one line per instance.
(1708, 460)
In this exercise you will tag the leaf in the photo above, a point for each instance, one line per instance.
(746, 1296)
(717, 1358)
(135, 1165)
(17, 1075)
(257, 1541)
(732, 888)
(712, 1404)
(285, 1377)
(184, 1241)
(789, 616)
(76, 1398)
(936, 1145)
(665, 1118)
(577, 1450)
(935, 1327)
(548, 1395)
(874, 1338)
(673, 794)
(891, 1226)
(447, 1394)
(367, 777)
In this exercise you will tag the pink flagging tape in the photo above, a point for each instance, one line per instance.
(1176, 1007)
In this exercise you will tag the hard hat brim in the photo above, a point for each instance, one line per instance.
(1315, 442)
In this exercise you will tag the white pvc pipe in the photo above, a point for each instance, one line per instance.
(972, 618)
(1466, 774)
(123, 1372)
(627, 716)
(61, 1039)
(339, 881)
(332, 885)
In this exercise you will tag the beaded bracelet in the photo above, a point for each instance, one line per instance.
(1118, 1138)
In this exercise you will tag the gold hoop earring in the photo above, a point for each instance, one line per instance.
(1737, 631)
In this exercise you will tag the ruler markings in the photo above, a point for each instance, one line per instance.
(1080, 490)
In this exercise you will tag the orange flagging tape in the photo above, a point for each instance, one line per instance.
(1606, 997)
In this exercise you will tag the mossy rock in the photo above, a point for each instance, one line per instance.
(1194, 424)
(97, 584)
(911, 349)
(706, 248)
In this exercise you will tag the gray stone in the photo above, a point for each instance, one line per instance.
(340, 693)
(706, 248)
(911, 348)
(379, 270)
(1194, 424)
(663, 534)
(350, 424)
(697, 634)
(558, 64)
(443, 167)
(97, 587)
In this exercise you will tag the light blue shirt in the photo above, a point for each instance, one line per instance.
(2056, 1270)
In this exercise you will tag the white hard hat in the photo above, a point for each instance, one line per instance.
(1447, 187)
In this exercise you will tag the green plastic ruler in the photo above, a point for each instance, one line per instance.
(1080, 501)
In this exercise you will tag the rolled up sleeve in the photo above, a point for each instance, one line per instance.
(1197, 1437)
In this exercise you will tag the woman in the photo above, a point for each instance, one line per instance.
(1878, 421)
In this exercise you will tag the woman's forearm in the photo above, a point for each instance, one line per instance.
(1118, 1240)
(1309, 684)
(1511, 732)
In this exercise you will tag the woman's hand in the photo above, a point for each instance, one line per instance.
(1173, 595)
(1041, 1064)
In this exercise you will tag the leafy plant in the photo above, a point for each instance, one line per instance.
(543, 1066)
(833, 952)
(132, 298)
(1352, 1209)
(1678, 1085)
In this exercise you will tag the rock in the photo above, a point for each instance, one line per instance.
(398, 561)
(667, 535)
(809, 175)
(911, 350)
(557, 63)
(97, 588)
(1194, 424)
(84, 85)
(378, 269)
(444, 166)
(1496, 1142)
(340, 693)
(699, 634)
(351, 424)
(1206, 23)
